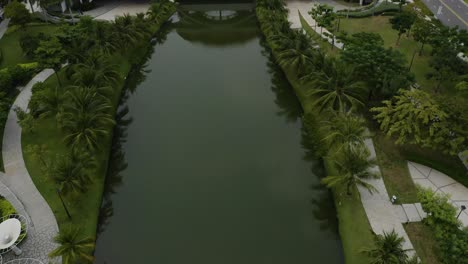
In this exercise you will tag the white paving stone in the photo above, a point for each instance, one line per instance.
(421, 212)
(457, 192)
(425, 183)
(411, 212)
(440, 179)
(422, 168)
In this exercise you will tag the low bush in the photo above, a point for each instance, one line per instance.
(442, 218)
(5, 207)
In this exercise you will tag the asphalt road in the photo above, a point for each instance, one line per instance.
(450, 12)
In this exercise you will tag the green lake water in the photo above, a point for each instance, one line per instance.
(211, 166)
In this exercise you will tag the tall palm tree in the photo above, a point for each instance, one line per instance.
(388, 249)
(72, 247)
(336, 87)
(86, 118)
(353, 167)
(70, 176)
(344, 130)
(296, 52)
(50, 103)
(96, 70)
(124, 32)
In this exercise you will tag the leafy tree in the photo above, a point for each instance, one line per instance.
(29, 43)
(415, 117)
(70, 175)
(353, 167)
(402, 22)
(25, 120)
(323, 15)
(18, 13)
(388, 249)
(73, 248)
(336, 87)
(423, 31)
(296, 52)
(384, 70)
(51, 54)
(446, 65)
(86, 118)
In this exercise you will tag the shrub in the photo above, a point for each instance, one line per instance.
(6, 82)
(18, 13)
(442, 218)
(5, 207)
(384, 8)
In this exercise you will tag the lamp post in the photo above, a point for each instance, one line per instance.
(462, 208)
(63, 203)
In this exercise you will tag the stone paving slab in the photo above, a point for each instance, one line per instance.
(440, 179)
(411, 212)
(424, 170)
(421, 212)
(457, 192)
(426, 184)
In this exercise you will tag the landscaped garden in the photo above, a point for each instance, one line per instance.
(383, 55)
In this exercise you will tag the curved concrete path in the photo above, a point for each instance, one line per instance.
(18, 187)
(441, 183)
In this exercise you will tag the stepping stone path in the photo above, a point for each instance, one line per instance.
(441, 183)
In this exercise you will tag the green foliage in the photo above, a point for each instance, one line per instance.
(353, 166)
(18, 13)
(453, 240)
(384, 70)
(70, 175)
(402, 22)
(6, 208)
(323, 14)
(25, 120)
(73, 248)
(388, 249)
(416, 118)
(29, 43)
(20, 74)
(423, 32)
(50, 54)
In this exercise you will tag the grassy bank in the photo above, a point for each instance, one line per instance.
(424, 242)
(84, 208)
(354, 228)
(12, 53)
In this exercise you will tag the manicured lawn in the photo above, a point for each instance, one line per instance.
(393, 165)
(407, 46)
(9, 44)
(424, 242)
(355, 230)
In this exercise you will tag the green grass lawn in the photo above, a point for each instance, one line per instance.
(395, 173)
(424, 242)
(407, 46)
(9, 44)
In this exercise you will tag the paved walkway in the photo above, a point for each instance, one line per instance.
(382, 214)
(441, 183)
(303, 7)
(17, 186)
(4, 27)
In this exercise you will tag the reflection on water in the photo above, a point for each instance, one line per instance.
(209, 164)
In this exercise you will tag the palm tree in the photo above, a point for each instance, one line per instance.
(50, 103)
(353, 166)
(272, 5)
(344, 130)
(72, 247)
(70, 176)
(388, 249)
(124, 32)
(86, 118)
(96, 70)
(336, 87)
(296, 52)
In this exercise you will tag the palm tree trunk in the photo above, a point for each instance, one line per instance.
(422, 48)
(32, 8)
(348, 189)
(58, 78)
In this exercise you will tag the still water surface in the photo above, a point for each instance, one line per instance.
(211, 166)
